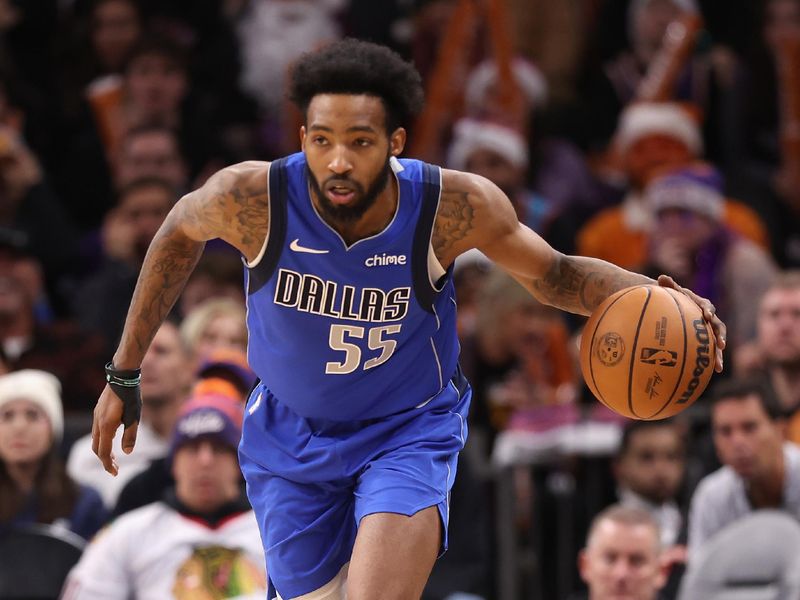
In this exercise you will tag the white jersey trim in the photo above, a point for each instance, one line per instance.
(261, 252)
(435, 269)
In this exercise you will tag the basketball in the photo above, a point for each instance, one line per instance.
(647, 353)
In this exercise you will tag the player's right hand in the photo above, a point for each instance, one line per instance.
(105, 422)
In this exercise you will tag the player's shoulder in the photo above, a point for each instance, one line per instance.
(468, 189)
(245, 172)
(462, 182)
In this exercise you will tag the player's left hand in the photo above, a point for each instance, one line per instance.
(709, 314)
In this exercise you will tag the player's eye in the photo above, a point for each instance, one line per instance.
(319, 140)
(363, 142)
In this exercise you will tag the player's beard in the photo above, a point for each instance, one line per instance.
(363, 199)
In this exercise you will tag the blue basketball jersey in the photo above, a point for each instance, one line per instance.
(356, 332)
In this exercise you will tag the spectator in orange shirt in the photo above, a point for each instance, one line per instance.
(651, 138)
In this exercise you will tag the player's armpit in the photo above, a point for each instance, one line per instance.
(232, 205)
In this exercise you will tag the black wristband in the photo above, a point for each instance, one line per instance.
(125, 383)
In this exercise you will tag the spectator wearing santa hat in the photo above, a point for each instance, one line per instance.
(702, 79)
(691, 242)
(34, 485)
(653, 137)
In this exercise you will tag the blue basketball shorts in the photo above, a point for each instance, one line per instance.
(311, 481)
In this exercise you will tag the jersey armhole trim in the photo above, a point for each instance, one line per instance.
(261, 252)
(424, 261)
(264, 265)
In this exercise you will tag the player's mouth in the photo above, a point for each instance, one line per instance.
(340, 193)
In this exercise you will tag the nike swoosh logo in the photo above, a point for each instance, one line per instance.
(298, 248)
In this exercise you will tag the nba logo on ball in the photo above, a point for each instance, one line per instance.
(647, 352)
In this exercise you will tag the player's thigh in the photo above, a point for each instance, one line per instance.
(393, 555)
(307, 530)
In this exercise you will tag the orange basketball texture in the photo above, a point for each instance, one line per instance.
(647, 353)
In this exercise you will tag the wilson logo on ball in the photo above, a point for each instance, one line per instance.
(610, 349)
(701, 361)
(656, 356)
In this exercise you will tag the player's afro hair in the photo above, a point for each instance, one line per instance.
(356, 67)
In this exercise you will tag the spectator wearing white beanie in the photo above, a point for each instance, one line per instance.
(39, 387)
(34, 485)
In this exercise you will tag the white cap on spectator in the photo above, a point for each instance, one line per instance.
(470, 135)
(530, 80)
(666, 118)
(41, 388)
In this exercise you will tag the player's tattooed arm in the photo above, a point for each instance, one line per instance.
(579, 284)
(232, 205)
(462, 220)
(483, 217)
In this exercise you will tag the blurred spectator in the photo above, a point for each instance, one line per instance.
(96, 48)
(482, 99)
(166, 379)
(27, 202)
(34, 486)
(151, 151)
(153, 91)
(610, 87)
(690, 242)
(761, 167)
(218, 274)
(622, 556)
(776, 351)
(272, 34)
(516, 358)
(649, 470)
(229, 365)
(101, 302)
(215, 324)
(652, 138)
(759, 469)
(200, 540)
(556, 172)
(224, 376)
(32, 339)
(500, 154)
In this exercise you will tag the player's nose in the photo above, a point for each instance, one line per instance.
(340, 162)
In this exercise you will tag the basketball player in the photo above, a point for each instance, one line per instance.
(350, 441)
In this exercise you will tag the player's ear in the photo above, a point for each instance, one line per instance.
(397, 141)
(303, 137)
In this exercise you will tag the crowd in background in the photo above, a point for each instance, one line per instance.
(111, 110)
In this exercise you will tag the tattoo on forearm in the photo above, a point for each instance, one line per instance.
(454, 221)
(579, 284)
(164, 273)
